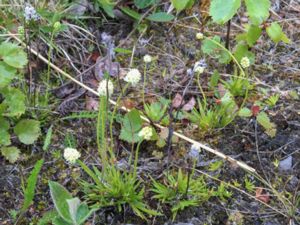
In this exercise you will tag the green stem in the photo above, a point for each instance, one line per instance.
(101, 122)
(49, 68)
(201, 90)
(136, 158)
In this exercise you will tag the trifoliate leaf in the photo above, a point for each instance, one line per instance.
(222, 11)
(4, 134)
(12, 154)
(160, 17)
(276, 34)
(13, 55)
(28, 131)
(264, 120)
(258, 10)
(14, 101)
(7, 74)
(141, 4)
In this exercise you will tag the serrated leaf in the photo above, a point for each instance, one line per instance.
(253, 35)
(132, 123)
(264, 120)
(160, 17)
(31, 184)
(222, 11)
(134, 14)
(4, 134)
(242, 51)
(180, 5)
(276, 34)
(141, 4)
(12, 154)
(59, 196)
(258, 10)
(7, 74)
(13, 55)
(14, 102)
(28, 131)
(245, 112)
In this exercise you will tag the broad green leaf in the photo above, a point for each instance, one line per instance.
(276, 34)
(141, 4)
(131, 125)
(31, 183)
(60, 196)
(253, 35)
(73, 204)
(7, 74)
(134, 14)
(12, 154)
(245, 112)
(258, 10)
(180, 5)
(160, 17)
(222, 11)
(28, 131)
(60, 221)
(14, 102)
(242, 51)
(13, 55)
(4, 134)
(83, 213)
(264, 120)
(210, 47)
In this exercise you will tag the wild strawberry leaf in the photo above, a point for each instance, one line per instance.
(13, 55)
(276, 34)
(222, 11)
(258, 10)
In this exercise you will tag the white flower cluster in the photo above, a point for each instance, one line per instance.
(147, 59)
(245, 62)
(133, 77)
(199, 66)
(30, 13)
(194, 152)
(104, 86)
(199, 36)
(71, 155)
(146, 133)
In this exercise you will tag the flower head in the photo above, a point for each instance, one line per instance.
(199, 36)
(133, 77)
(245, 62)
(30, 13)
(194, 152)
(104, 86)
(146, 133)
(56, 26)
(199, 66)
(71, 155)
(147, 59)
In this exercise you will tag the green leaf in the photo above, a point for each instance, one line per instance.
(180, 5)
(4, 134)
(253, 35)
(83, 213)
(108, 7)
(222, 11)
(245, 112)
(141, 4)
(47, 140)
(242, 51)
(60, 221)
(31, 184)
(132, 123)
(258, 10)
(47, 217)
(134, 14)
(7, 74)
(160, 17)
(211, 48)
(214, 80)
(276, 34)
(264, 120)
(73, 204)
(14, 101)
(59, 196)
(28, 131)
(13, 55)
(12, 154)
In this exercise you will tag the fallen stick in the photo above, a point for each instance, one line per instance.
(200, 145)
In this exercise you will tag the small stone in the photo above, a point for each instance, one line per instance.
(286, 164)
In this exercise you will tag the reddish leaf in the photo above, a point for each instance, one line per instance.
(95, 56)
(129, 104)
(260, 196)
(218, 101)
(189, 105)
(255, 110)
(177, 101)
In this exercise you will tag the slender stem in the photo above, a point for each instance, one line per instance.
(201, 90)
(101, 122)
(49, 67)
(136, 158)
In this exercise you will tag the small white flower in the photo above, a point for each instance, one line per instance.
(147, 59)
(146, 133)
(30, 13)
(71, 155)
(199, 69)
(199, 36)
(245, 62)
(199, 66)
(133, 77)
(194, 152)
(105, 86)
